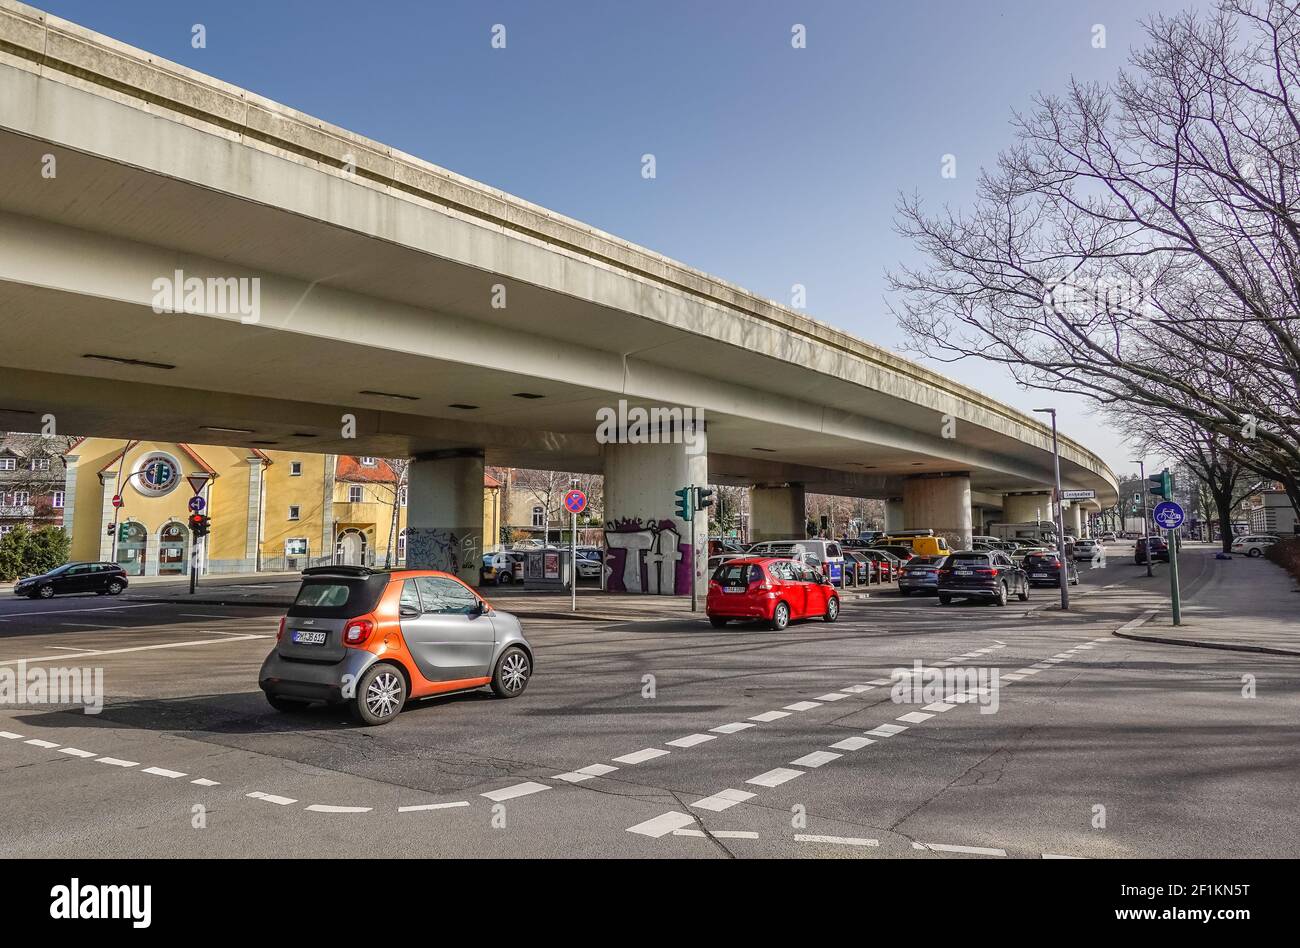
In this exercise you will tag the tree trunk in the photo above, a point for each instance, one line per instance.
(1223, 503)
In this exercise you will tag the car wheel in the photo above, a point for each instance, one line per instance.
(1255, 551)
(46, 592)
(1024, 593)
(115, 588)
(503, 579)
(381, 692)
(284, 704)
(512, 674)
(944, 600)
(832, 609)
(717, 621)
(1002, 594)
(780, 617)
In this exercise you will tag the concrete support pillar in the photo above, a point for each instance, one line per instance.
(1074, 520)
(894, 514)
(152, 548)
(327, 512)
(648, 549)
(777, 512)
(939, 503)
(1026, 507)
(444, 513)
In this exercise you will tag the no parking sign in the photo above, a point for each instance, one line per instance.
(575, 501)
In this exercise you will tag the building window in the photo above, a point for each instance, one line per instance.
(355, 494)
(7, 528)
(40, 464)
(294, 511)
(401, 545)
(539, 517)
(8, 464)
(296, 546)
(401, 496)
(21, 497)
(295, 469)
(367, 462)
(57, 502)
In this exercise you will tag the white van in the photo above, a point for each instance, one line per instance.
(826, 556)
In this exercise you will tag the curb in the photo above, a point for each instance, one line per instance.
(1124, 633)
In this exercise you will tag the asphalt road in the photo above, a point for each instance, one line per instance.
(696, 742)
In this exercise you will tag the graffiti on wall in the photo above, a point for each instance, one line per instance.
(442, 549)
(647, 557)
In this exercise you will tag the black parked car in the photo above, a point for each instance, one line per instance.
(994, 576)
(1044, 569)
(99, 578)
(1159, 550)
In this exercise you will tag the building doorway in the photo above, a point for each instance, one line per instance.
(173, 544)
(350, 548)
(131, 540)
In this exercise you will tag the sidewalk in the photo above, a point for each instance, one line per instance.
(1242, 604)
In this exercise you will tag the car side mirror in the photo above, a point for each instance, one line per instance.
(408, 612)
(480, 607)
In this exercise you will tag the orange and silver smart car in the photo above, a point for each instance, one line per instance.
(373, 639)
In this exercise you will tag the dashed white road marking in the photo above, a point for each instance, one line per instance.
(326, 808)
(1058, 856)
(835, 840)
(270, 798)
(420, 807)
(729, 728)
(586, 773)
(767, 716)
(815, 759)
(205, 782)
(969, 850)
(690, 740)
(662, 825)
(163, 772)
(10, 735)
(775, 777)
(879, 681)
(118, 762)
(37, 743)
(724, 800)
(76, 752)
(914, 717)
(1023, 672)
(833, 696)
(887, 730)
(939, 706)
(1013, 677)
(637, 757)
(852, 743)
(803, 706)
(63, 612)
(857, 689)
(135, 648)
(518, 790)
(716, 834)
(69, 648)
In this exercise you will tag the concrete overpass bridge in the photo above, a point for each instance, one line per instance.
(182, 258)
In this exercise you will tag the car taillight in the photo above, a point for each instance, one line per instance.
(759, 587)
(986, 571)
(358, 631)
(279, 633)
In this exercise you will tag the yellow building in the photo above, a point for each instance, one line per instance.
(269, 510)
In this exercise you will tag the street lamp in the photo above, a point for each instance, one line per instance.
(1060, 513)
(1146, 542)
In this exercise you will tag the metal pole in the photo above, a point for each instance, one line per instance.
(1174, 596)
(1146, 541)
(573, 563)
(694, 554)
(1060, 520)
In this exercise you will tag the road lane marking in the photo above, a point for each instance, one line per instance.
(163, 772)
(852, 743)
(724, 800)
(887, 730)
(1058, 856)
(137, 648)
(716, 834)
(939, 706)
(969, 850)
(879, 681)
(637, 757)
(69, 648)
(36, 743)
(835, 840)
(518, 790)
(770, 716)
(586, 773)
(117, 762)
(662, 825)
(326, 808)
(815, 759)
(64, 612)
(10, 735)
(205, 782)
(857, 689)
(271, 798)
(690, 740)
(731, 728)
(775, 777)
(914, 717)
(802, 706)
(76, 752)
(833, 696)
(422, 807)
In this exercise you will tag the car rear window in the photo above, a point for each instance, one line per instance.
(737, 574)
(334, 597)
(981, 559)
(1041, 559)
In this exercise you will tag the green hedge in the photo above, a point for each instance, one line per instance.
(25, 552)
(1286, 554)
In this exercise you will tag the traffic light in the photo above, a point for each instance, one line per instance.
(1162, 485)
(703, 498)
(200, 524)
(685, 511)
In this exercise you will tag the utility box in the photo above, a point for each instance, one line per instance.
(547, 568)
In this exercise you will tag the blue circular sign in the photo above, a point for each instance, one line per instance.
(197, 503)
(1168, 515)
(575, 501)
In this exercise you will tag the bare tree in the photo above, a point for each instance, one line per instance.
(1139, 243)
(396, 490)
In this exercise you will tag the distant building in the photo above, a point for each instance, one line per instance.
(33, 488)
(1270, 511)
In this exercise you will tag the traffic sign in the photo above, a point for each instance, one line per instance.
(198, 481)
(1078, 494)
(197, 503)
(1168, 515)
(575, 501)
(117, 500)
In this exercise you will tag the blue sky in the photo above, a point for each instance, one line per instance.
(775, 165)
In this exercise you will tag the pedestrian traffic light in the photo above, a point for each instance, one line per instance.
(200, 524)
(685, 511)
(1162, 484)
(703, 498)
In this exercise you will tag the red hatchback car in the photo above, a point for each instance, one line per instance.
(769, 589)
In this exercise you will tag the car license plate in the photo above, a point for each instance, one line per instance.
(1039, 575)
(963, 572)
(733, 589)
(302, 637)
